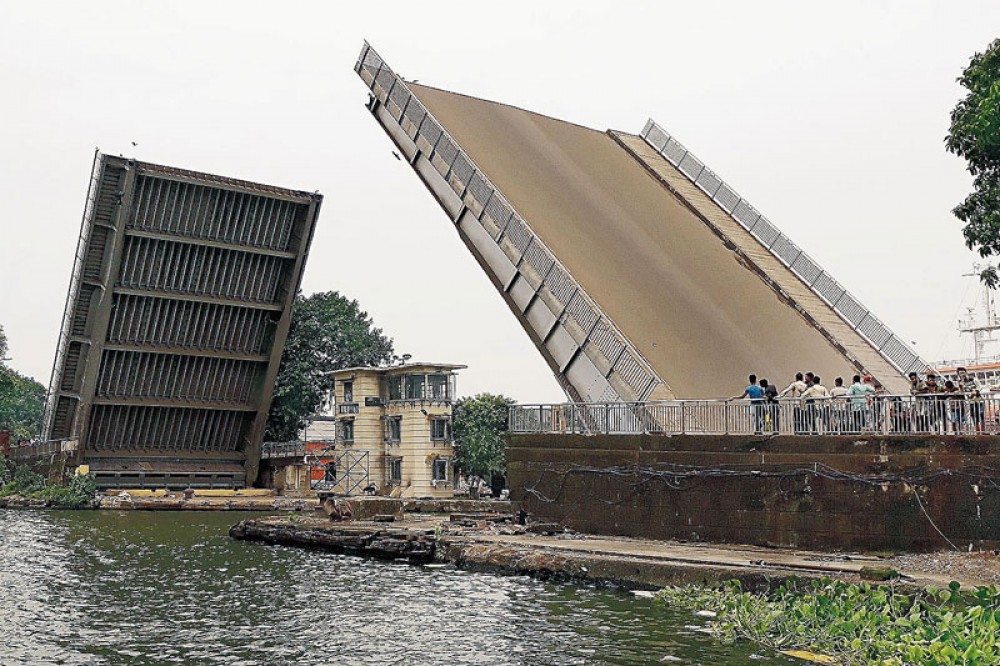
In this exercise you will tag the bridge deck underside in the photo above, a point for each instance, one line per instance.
(700, 316)
(175, 325)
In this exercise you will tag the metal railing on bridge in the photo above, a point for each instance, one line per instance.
(41, 450)
(821, 283)
(854, 415)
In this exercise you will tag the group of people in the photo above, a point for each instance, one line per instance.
(865, 405)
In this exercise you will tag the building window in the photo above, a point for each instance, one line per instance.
(347, 430)
(438, 387)
(395, 470)
(414, 387)
(348, 392)
(440, 470)
(394, 387)
(439, 429)
(393, 428)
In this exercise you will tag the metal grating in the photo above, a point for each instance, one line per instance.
(745, 214)
(581, 312)
(167, 429)
(518, 234)
(605, 339)
(727, 198)
(559, 284)
(538, 259)
(765, 232)
(632, 373)
(480, 189)
(461, 173)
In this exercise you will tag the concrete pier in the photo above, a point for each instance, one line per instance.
(625, 562)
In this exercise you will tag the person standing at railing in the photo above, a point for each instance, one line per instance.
(977, 411)
(756, 395)
(935, 404)
(816, 418)
(918, 409)
(771, 405)
(860, 395)
(838, 406)
(954, 410)
(966, 384)
(795, 390)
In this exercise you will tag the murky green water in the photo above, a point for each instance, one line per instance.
(172, 588)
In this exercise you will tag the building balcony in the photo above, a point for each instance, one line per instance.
(348, 408)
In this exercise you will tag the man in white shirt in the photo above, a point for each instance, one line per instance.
(795, 390)
(816, 414)
(838, 406)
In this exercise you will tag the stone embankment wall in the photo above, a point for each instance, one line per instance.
(893, 493)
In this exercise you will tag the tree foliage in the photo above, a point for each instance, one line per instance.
(22, 399)
(328, 332)
(479, 423)
(975, 135)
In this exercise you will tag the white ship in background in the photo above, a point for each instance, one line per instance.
(982, 324)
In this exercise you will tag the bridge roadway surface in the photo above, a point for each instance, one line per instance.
(686, 285)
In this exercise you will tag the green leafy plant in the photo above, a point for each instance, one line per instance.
(23, 482)
(478, 424)
(975, 135)
(328, 332)
(856, 623)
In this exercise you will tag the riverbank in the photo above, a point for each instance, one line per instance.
(631, 563)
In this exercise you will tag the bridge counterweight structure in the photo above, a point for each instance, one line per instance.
(176, 315)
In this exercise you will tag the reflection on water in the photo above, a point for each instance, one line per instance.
(172, 588)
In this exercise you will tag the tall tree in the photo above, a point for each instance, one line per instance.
(328, 332)
(22, 399)
(975, 135)
(478, 424)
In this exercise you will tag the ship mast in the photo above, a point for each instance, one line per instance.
(981, 330)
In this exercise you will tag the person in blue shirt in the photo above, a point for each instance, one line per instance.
(756, 394)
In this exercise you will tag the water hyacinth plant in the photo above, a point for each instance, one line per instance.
(856, 623)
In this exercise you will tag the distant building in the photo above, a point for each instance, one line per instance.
(391, 430)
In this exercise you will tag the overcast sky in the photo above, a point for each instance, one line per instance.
(830, 121)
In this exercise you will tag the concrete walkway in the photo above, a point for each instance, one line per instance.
(727, 558)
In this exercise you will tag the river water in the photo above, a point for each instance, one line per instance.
(104, 587)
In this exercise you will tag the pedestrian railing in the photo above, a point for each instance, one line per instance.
(41, 450)
(882, 414)
(283, 450)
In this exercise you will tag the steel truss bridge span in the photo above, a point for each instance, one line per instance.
(176, 315)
